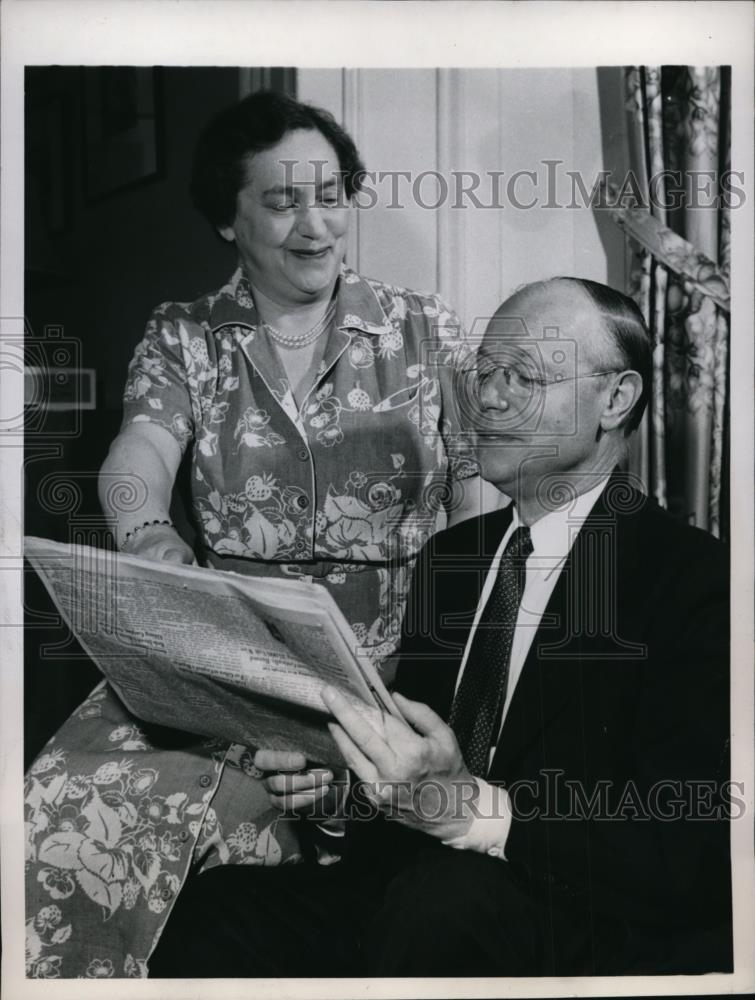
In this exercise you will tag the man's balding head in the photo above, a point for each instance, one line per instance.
(561, 379)
(604, 324)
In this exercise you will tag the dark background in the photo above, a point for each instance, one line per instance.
(95, 269)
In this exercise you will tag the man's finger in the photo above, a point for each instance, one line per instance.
(353, 756)
(280, 760)
(421, 716)
(359, 730)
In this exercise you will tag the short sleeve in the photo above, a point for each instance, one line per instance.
(456, 432)
(157, 387)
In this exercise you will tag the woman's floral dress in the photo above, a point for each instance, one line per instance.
(343, 491)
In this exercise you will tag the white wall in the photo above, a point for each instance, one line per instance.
(479, 120)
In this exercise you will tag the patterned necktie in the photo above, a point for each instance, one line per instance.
(481, 694)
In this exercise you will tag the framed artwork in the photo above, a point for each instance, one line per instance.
(122, 128)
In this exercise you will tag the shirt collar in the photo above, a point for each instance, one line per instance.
(553, 535)
(357, 304)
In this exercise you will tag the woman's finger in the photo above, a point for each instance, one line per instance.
(174, 554)
(300, 800)
(283, 784)
(280, 760)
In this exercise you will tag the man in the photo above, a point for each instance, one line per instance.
(555, 801)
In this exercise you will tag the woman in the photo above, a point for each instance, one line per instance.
(317, 406)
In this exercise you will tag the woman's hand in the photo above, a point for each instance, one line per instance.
(289, 786)
(162, 543)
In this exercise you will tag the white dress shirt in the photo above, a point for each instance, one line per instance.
(552, 538)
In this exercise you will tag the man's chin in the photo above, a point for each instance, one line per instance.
(500, 474)
(506, 467)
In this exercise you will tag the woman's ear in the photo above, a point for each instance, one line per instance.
(625, 392)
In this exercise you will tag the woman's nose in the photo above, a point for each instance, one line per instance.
(310, 222)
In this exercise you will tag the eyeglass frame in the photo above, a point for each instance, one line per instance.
(536, 382)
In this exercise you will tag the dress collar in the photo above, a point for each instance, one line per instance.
(357, 306)
(232, 311)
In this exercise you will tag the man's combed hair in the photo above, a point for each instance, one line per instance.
(625, 324)
(257, 123)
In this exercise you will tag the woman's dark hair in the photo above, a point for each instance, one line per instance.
(625, 325)
(257, 123)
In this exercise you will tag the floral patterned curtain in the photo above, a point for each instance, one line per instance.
(679, 122)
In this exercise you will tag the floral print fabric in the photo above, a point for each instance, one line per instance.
(116, 812)
(679, 121)
(343, 492)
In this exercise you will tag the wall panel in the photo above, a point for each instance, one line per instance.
(496, 124)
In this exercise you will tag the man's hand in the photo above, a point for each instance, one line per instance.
(291, 788)
(417, 775)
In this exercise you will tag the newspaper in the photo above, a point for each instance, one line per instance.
(214, 653)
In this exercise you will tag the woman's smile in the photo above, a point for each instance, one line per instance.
(313, 255)
(292, 237)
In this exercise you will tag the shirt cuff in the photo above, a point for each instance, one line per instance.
(490, 827)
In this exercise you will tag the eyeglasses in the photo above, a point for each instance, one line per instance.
(518, 382)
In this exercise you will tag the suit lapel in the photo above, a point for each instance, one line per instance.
(546, 687)
(590, 612)
(448, 580)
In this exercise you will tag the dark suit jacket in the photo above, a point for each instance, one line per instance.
(619, 721)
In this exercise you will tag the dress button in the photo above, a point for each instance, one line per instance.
(495, 852)
(165, 894)
(302, 502)
(205, 781)
(302, 454)
(300, 544)
(183, 835)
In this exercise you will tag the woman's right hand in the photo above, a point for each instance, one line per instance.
(162, 543)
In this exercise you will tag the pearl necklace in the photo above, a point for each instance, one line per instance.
(302, 339)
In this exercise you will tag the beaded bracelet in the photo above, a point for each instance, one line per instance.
(147, 524)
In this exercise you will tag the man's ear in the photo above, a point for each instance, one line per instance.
(227, 233)
(625, 392)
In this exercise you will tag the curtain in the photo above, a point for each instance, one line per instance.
(679, 122)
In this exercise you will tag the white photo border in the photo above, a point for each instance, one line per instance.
(338, 33)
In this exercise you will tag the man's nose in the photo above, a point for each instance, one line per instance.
(491, 398)
(311, 223)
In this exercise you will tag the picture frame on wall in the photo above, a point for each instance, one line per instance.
(122, 128)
